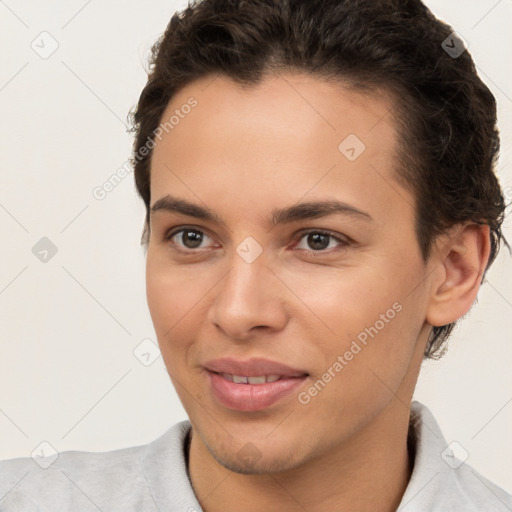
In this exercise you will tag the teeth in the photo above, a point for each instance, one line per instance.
(260, 379)
(257, 380)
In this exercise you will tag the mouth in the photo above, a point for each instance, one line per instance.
(257, 380)
(251, 385)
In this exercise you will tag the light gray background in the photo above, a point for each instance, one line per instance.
(68, 374)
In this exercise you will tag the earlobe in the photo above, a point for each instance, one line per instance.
(463, 260)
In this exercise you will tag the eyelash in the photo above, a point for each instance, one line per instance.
(343, 242)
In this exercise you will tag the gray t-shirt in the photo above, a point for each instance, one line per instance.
(154, 477)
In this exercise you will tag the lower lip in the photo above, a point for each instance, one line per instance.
(251, 397)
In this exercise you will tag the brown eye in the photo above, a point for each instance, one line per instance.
(187, 238)
(319, 241)
(191, 239)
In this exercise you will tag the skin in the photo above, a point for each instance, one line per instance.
(243, 152)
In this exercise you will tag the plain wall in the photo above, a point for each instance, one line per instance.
(69, 326)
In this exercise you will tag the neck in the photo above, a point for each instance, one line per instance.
(370, 473)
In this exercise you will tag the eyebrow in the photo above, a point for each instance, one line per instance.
(300, 211)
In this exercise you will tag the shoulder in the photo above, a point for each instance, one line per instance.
(442, 481)
(77, 480)
(479, 492)
(74, 480)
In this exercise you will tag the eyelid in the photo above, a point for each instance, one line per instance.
(177, 229)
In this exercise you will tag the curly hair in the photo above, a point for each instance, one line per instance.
(446, 116)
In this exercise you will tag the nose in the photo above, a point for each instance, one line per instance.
(250, 300)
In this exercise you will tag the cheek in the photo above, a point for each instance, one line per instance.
(161, 302)
(171, 290)
(343, 300)
(368, 316)
(171, 300)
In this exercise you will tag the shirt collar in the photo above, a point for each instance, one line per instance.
(442, 481)
(439, 481)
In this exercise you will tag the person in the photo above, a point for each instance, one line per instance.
(321, 209)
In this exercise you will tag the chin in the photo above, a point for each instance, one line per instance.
(265, 465)
(253, 458)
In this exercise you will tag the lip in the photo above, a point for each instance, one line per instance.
(252, 367)
(251, 397)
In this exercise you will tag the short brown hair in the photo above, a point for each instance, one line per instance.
(447, 115)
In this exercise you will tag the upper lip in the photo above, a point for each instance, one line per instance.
(252, 367)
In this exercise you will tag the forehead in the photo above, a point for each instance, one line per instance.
(290, 136)
(300, 103)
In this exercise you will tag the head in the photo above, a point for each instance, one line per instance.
(254, 107)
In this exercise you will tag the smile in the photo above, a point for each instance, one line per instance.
(241, 379)
(251, 393)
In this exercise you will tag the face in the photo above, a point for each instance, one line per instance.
(338, 295)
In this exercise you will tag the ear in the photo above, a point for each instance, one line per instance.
(460, 266)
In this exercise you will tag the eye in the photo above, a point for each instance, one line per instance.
(319, 241)
(189, 238)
